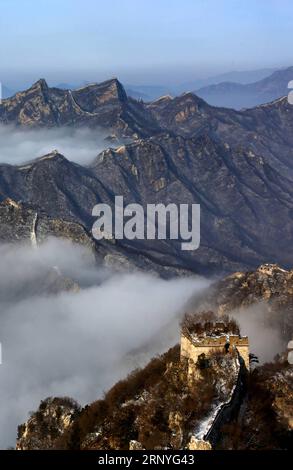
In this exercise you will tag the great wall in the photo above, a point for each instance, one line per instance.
(197, 345)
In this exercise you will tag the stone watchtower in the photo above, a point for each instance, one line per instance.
(205, 338)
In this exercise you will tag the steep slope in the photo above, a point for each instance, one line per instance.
(269, 285)
(264, 132)
(237, 95)
(176, 403)
(236, 165)
(240, 195)
(27, 224)
(236, 195)
(265, 421)
(153, 408)
(54, 416)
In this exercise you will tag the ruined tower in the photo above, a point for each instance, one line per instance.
(204, 339)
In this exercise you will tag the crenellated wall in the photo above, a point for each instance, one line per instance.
(192, 348)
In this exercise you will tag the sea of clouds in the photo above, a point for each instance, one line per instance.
(19, 145)
(77, 343)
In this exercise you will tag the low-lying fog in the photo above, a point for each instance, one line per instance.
(79, 343)
(76, 343)
(19, 145)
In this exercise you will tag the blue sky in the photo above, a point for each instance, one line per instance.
(141, 41)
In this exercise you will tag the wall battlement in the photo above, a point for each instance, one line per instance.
(193, 346)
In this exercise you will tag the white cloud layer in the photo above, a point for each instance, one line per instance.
(18, 145)
(80, 343)
(77, 344)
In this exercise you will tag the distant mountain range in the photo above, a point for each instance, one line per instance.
(237, 95)
(151, 92)
(148, 92)
(244, 77)
(236, 164)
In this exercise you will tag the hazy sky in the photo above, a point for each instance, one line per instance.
(141, 41)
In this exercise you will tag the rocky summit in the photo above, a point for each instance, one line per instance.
(105, 105)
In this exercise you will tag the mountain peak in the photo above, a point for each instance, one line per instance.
(270, 269)
(41, 84)
(115, 87)
(162, 99)
(54, 155)
(112, 86)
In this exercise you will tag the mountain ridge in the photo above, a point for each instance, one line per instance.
(102, 105)
(236, 164)
(237, 95)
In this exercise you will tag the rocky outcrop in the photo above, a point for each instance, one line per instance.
(266, 283)
(24, 223)
(135, 445)
(270, 285)
(197, 444)
(47, 424)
